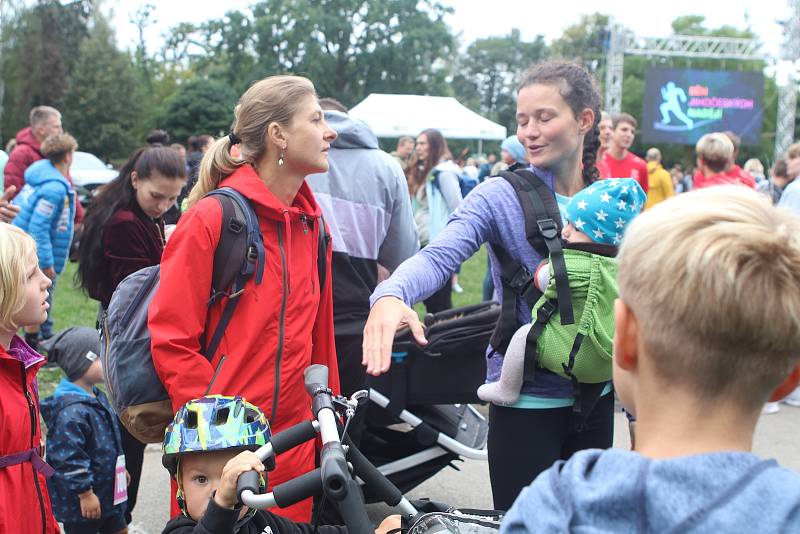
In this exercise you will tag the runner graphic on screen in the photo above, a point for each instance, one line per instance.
(673, 96)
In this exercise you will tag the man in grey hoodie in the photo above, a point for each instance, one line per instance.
(365, 202)
(694, 361)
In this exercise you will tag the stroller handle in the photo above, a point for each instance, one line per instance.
(333, 477)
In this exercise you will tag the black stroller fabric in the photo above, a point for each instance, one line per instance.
(450, 368)
(434, 383)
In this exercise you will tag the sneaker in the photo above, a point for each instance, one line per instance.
(770, 408)
(457, 288)
(793, 398)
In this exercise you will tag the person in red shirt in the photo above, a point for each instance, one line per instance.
(714, 154)
(618, 161)
(606, 131)
(733, 173)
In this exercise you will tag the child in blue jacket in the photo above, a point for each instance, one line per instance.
(47, 213)
(89, 488)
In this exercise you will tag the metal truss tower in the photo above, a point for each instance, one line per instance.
(623, 42)
(788, 67)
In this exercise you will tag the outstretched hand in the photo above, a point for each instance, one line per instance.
(387, 315)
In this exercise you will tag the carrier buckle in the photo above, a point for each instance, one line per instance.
(548, 228)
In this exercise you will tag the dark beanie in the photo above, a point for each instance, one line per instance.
(74, 350)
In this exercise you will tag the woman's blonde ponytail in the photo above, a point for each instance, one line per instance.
(217, 164)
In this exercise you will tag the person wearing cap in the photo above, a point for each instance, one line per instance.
(89, 488)
(596, 220)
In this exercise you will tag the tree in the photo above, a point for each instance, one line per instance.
(490, 71)
(37, 54)
(584, 42)
(100, 107)
(349, 48)
(198, 107)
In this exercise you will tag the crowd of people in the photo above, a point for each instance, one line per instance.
(349, 239)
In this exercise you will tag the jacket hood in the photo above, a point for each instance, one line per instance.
(351, 133)
(26, 137)
(622, 491)
(43, 171)
(246, 181)
(653, 165)
(66, 394)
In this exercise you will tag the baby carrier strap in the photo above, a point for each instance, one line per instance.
(543, 232)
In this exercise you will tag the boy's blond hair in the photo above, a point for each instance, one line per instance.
(713, 278)
(716, 151)
(16, 251)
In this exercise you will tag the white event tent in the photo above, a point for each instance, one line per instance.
(398, 115)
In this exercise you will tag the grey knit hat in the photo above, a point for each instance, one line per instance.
(74, 350)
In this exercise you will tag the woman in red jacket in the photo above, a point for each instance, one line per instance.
(281, 325)
(124, 232)
(24, 501)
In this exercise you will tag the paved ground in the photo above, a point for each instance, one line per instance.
(776, 437)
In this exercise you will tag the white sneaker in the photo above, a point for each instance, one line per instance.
(457, 288)
(793, 398)
(770, 408)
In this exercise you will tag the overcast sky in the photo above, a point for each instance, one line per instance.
(473, 19)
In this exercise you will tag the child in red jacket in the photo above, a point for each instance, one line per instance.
(24, 501)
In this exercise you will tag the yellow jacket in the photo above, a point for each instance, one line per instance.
(660, 184)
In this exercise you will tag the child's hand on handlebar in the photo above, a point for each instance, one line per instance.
(387, 525)
(225, 495)
(386, 316)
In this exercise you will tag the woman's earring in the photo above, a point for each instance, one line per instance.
(280, 158)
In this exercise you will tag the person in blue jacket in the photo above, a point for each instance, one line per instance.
(89, 488)
(47, 213)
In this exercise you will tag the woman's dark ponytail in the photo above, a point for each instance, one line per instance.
(591, 144)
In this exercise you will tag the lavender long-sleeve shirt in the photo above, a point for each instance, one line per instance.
(489, 214)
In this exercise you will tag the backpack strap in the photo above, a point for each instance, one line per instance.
(542, 230)
(240, 235)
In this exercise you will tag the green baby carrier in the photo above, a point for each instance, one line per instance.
(589, 321)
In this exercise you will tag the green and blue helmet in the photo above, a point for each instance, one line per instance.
(213, 423)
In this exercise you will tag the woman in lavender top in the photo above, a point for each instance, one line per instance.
(558, 109)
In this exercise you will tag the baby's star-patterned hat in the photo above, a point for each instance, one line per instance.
(603, 210)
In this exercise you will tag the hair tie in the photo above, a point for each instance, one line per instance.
(234, 139)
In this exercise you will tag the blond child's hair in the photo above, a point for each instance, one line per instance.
(713, 279)
(17, 250)
(715, 150)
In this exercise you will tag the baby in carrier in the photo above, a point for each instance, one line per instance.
(596, 220)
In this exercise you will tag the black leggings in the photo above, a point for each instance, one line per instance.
(525, 442)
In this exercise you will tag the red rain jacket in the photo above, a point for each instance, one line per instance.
(278, 329)
(24, 500)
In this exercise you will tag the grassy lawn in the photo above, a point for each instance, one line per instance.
(71, 307)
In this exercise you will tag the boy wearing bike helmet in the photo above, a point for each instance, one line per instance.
(207, 446)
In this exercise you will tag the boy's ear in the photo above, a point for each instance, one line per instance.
(626, 336)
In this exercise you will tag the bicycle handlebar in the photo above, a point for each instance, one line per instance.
(333, 477)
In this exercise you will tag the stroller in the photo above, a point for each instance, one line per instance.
(417, 423)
